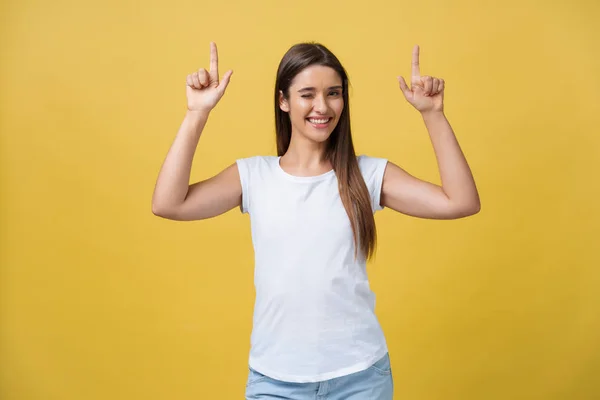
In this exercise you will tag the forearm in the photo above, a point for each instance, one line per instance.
(457, 180)
(174, 177)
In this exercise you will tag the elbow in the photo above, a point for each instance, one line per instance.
(476, 207)
(161, 211)
(471, 209)
(471, 206)
(465, 210)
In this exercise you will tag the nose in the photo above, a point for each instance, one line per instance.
(320, 104)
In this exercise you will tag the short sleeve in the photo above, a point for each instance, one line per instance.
(244, 171)
(372, 169)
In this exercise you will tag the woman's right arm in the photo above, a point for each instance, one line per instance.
(174, 198)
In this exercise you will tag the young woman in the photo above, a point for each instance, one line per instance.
(315, 334)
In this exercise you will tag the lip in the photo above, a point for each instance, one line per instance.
(320, 126)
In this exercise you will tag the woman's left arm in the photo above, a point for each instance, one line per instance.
(457, 197)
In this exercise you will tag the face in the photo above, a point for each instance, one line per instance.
(315, 102)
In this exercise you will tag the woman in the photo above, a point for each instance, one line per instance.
(315, 332)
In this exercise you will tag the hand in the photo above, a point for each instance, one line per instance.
(426, 92)
(203, 88)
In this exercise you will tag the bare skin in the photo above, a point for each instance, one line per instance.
(174, 198)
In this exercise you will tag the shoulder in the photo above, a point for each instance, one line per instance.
(258, 159)
(373, 170)
(369, 165)
(255, 162)
(256, 166)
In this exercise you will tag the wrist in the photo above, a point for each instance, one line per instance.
(432, 114)
(197, 114)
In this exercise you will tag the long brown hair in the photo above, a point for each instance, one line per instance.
(339, 151)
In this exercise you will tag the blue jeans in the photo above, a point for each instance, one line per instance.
(374, 383)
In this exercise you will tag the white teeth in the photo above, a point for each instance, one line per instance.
(319, 121)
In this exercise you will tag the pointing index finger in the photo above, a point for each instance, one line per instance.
(214, 62)
(416, 72)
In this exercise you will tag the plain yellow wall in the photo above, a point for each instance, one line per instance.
(102, 300)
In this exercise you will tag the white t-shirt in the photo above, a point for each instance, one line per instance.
(314, 315)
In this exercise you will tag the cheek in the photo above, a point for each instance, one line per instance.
(338, 107)
(300, 109)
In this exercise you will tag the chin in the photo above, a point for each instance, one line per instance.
(317, 137)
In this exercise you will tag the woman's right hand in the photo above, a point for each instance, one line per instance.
(203, 88)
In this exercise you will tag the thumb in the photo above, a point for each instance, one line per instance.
(225, 81)
(404, 87)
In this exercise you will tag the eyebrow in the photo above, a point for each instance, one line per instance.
(306, 89)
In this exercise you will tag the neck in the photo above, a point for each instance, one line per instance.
(305, 156)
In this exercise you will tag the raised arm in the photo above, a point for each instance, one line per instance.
(174, 198)
(457, 197)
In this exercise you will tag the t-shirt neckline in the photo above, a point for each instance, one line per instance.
(296, 178)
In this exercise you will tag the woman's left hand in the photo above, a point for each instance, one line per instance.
(426, 92)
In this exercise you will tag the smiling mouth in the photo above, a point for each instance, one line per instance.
(319, 121)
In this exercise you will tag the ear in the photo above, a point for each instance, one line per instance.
(283, 103)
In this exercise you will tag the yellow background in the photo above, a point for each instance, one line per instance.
(102, 300)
